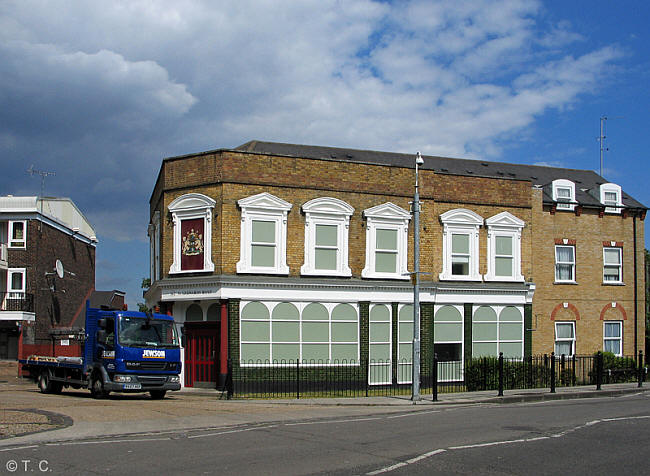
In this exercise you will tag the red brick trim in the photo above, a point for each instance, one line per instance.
(625, 213)
(569, 306)
(601, 213)
(609, 306)
(615, 244)
(642, 215)
(553, 209)
(560, 241)
(578, 210)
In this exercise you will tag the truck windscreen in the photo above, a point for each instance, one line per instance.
(140, 332)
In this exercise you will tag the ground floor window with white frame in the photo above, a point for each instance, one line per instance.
(380, 345)
(312, 333)
(498, 329)
(448, 342)
(565, 338)
(405, 344)
(613, 337)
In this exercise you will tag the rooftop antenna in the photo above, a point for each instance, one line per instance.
(32, 171)
(601, 140)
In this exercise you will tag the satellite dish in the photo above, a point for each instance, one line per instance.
(59, 268)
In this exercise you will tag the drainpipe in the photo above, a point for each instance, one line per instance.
(636, 302)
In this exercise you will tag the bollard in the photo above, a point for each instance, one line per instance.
(501, 374)
(552, 372)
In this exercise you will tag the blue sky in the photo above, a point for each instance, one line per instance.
(100, 92)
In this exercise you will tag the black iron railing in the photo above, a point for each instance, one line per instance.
(17, 302)
(307, 379)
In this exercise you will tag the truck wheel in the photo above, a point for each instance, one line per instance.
(44, 382)
(157, 394)
(97, 387)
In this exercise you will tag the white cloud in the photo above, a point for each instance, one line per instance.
(101, 91)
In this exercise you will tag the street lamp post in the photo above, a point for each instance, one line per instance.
(416, 285)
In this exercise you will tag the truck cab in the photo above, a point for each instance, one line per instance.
(128, 351)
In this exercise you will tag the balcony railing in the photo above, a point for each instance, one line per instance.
(21, 302)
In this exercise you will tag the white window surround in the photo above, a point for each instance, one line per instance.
(564, 193)
(564, 263)
(271, 325)
(187, 207)
(327, 211)
(17, 243)
(460, 221)
(606, 197)
(386, 216)
(16, 292)
(610, 265)
(268, 208)
(507, 225)
(614, 341)
(153, 232)
(565, 338)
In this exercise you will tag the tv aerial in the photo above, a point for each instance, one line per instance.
(60, 272)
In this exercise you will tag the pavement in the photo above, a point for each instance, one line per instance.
(27, 416)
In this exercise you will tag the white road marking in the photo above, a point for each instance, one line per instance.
(351, 420)
(412, 414)
(423, 456)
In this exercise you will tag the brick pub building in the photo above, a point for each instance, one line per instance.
(277, 252)
(47, 272)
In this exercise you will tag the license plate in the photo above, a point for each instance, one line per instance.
(132, 386)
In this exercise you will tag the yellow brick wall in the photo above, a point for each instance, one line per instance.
(228, 176)
(589, 296)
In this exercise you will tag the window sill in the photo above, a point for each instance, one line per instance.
(606, 283)
(566, 282)
(189, 271)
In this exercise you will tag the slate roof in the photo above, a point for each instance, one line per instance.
(587, 182)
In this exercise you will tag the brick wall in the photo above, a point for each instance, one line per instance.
(62, 307)
(587, 301)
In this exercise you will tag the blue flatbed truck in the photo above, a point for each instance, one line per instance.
(124, 351)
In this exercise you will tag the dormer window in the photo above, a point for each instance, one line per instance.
(611, 197)
(564, 193)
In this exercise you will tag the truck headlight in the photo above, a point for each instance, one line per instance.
(123, 378)
(174, 379)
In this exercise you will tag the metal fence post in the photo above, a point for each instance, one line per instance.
(367, 376)
(229, 383)
(599, 370)
(297, 379)
(552, 372)
(501, 374)
(434, 378)
(573, 371)
(641, 369)
(562, 372)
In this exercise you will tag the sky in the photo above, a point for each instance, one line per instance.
(100, 92)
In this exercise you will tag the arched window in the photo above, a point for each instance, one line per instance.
(194, 313)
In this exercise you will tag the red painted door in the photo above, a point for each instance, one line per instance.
(201, 357)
